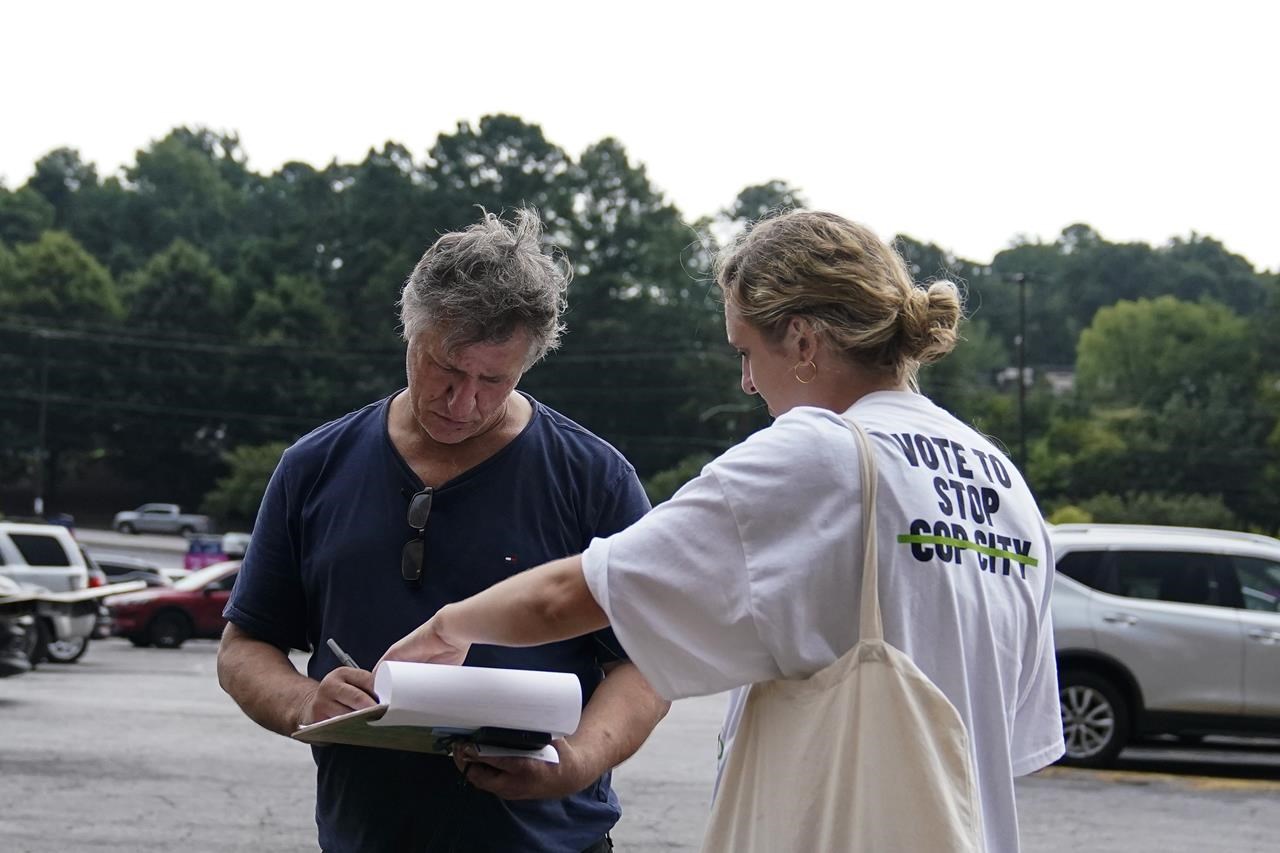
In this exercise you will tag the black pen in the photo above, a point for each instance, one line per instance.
(343, 658)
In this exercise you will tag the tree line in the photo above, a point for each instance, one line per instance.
(170, 327)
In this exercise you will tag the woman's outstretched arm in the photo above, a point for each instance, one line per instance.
(542, 605)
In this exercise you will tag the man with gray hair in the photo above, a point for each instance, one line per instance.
(373, 522)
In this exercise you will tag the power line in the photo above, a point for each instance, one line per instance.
(189, 344)
(166, 410)
(149, 339)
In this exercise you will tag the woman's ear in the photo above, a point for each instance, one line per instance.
(802, 336)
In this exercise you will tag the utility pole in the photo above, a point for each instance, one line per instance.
(1021, 279)
(42, 427)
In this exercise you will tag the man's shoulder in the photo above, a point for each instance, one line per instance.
(360, 425)
(565, 435)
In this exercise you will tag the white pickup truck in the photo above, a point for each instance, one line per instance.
(160, 518)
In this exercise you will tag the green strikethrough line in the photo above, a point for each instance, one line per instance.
(972, 546)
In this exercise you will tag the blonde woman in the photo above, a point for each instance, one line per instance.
(752, 572)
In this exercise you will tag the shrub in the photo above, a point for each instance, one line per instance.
(236, 496)
(666, 483)
(1070, 514)
(1160, 508)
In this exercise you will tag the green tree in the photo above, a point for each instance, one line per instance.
(263, 304)
(293, 220)
(236, 496)
(959, 381)
(223, 149)
(1070, 279)
(1200, 267)
(55, 279)
(191, 185)
(298, 227)
(7, 267)
(1145, 351)
(105, 221)
(24, 215)
(1051, 325)
(929, 262)
(1183, 510)
(47, 288)
(1183, 447)
(387, 213)
(170, 418)
(1266, 332)
(179, 289)
(292, 310)
(761, 201)
(645, 352)
(61, 177)
(1169, 405)
(500, 164)
(1265, 328)
(1081, 454)
(752, 204)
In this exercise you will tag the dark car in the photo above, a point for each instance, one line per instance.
(167, 617)
(119, 569)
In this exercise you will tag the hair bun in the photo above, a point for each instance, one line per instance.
(929, 321)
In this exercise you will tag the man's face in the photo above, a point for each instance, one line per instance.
(456, 396)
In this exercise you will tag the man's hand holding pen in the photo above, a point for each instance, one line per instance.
(345, 688)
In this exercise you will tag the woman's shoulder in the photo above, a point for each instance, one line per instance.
(802, 424)
(907, 414)
(806, 444)
(810, 421)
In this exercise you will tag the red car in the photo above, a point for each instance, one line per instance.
(167, 617)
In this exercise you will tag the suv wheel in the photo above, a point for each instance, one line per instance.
(67, 651)
(1095, 718)
(126, 527)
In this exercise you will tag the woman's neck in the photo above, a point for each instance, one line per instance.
(842, 384)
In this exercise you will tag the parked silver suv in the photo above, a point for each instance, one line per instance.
(1164, 630)
(47, 557)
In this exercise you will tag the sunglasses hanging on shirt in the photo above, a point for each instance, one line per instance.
(414, 552)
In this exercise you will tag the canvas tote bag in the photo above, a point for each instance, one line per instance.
(864, 755)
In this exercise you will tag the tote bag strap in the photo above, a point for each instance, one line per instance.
(870, 626)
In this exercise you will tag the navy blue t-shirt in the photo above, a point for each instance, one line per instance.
(324, 561)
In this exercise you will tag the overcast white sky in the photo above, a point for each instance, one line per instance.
(964, 124)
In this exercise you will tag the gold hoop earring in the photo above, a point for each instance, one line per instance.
(812, 376)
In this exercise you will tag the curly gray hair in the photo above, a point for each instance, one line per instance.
(485, 283)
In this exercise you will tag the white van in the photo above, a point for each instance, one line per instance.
(46, 555)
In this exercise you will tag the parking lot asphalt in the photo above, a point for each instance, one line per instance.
(138, 750)
(166, 551)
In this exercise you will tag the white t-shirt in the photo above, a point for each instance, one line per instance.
(751, 572)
